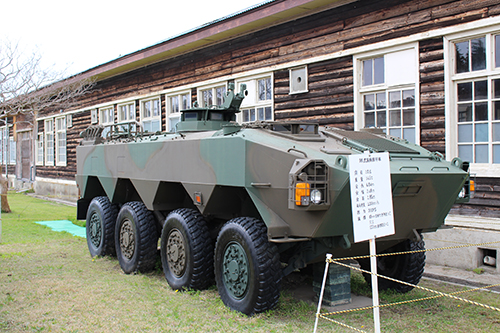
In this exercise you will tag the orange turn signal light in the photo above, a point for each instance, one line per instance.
(302, 193)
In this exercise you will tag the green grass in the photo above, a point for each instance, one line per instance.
(49, 283)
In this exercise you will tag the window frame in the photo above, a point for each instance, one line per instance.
(106, 118)
(413, 83)
(12, 151)
(252, 100)
(150, 118)
(48, 129)
(40, 156)
(119, 111)
(490, 73)
(60, 135)
(93, 116)
(104, 115)
(173, 114)
(4, 134)
(213, 88)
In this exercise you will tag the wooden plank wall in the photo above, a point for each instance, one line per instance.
(432, 112)
(486, 201)
(330, 96)
(329, 100)
(352, 25)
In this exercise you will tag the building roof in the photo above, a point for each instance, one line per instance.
(257, 17)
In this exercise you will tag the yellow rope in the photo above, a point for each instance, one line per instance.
(418, 287)
(416, 251)
(439, 294)
(340, 323)
(409, 301)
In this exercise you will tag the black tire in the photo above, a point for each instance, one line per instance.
(100, 227)
(247, 266)
(187, 251)
(136, 238)
(404, 267)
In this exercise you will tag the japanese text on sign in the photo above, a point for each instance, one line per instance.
(371, 196)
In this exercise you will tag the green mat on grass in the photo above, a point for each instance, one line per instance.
(65, 225)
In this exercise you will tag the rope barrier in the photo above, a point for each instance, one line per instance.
(439, 294)
(416, 251)
(418, 287)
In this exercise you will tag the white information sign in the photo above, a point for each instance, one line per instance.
(371, 196)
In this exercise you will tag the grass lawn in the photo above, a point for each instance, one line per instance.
(49, 283)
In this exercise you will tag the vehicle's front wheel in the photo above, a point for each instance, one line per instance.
(136, 238)
(100, 227)
(404, 267)
(247, 267)
(187, 250)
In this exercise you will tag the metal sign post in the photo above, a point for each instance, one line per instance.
(375, 299)
(372, 211)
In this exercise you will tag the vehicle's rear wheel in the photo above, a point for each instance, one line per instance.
(404, 267)
(136, 238)
(100, 227)
(247, 266)
(187, 250)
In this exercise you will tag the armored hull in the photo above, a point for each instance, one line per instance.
(237, 195)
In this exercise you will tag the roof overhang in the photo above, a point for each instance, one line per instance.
(256, 18)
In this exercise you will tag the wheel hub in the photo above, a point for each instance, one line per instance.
(176, 253)
(95, 230)
(235, 270)
(127, 239)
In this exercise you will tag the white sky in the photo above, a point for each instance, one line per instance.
(78, 35)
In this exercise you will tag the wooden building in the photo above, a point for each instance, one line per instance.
(424, 70)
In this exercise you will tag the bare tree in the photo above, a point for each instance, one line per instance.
(26, 88)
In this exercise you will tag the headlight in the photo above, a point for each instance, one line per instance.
(316, 197)
(462, 193)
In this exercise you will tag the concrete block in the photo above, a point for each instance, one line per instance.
(337, 286)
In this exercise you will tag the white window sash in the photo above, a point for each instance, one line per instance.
(40, 149)
(392, 81)
(149, 120)
(251, 106)
(452, 79)
(60, 142)
(175, 103)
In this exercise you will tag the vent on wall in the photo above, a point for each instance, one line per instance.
(488, 257)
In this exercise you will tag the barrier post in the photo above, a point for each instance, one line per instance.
(320, 302)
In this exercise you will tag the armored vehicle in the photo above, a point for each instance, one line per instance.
(248, 204)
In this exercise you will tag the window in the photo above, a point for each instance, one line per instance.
(470, 55)
(474, 102)
(258, 102)
(373, 71)
(93, 116)
(388, 95)
(12, 150)
(3, 145)
(126, 112)
(176, 103)
(211, 96)
(392, 110)
(39, 149)
(49, 141)
(61, 141)
(150, 115)
(106, 117)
